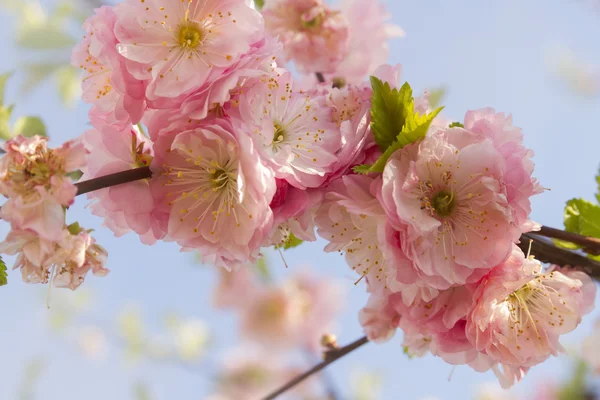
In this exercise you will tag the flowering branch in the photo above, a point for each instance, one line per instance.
(330, 357)
(115, 179)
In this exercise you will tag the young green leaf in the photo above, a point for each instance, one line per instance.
(3, 79)
(3, 275)
(436, 96)
(389, 110)
(455, 125)
(259, 4)
(598, 183)
(291, 242)
(29, 126)
(582, 217)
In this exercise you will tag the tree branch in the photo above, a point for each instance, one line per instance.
(330, 357)
(320, 77)
(546, 251)
(115, 179)
(590, 244)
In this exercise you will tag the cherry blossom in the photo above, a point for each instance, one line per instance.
(211, 192)
(519, 311)
(118, 98)
(124, 207)
(294, 133)
(314, 36)
(34, 179)
(176, 45)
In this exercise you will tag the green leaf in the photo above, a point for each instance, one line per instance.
(598, 183)
(75, 175)
(44, 37)
(436, 96)
(4, 126)
(566, 245)
(68, 84)
(142, 392)
(259, 4)
(414, 129)
(262, 267)
(292, 242)
(389, 110)
(29, 126)
(36, 74)
(3, 274)
(455, 125)
(582, 217)
(3, 79)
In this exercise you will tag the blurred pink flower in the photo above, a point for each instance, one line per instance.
(176, 45)
(314, 36)
(34, 178)
(63, 263)
(118, 98)
(211, 191)
(589, 349)
(369, 34)
(123, 207)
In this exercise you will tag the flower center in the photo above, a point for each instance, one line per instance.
(190, 35)
(279, 135)
(219, 178)
(443, 203)
(312, 23)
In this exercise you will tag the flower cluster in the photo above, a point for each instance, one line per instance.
(34, 179)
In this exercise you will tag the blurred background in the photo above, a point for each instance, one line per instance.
(150, 331)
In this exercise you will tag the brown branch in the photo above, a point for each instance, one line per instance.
(115, 179)
(330, 357)
(320, 77)
(546, 251)
(590, 244)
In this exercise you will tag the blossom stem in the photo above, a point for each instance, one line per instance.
(330, 357)
(115, 179)
(320, 77)
(590, 244)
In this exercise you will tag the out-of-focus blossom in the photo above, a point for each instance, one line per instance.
(191, 338)
(211, 191)
(581, 78)
(93, 343)
(124, 207)
(118, 98)
(176, 45)
(234, 287)
(314, 36)
(369, 36)
(62, 263)
(34, 179)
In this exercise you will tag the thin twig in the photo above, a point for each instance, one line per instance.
(590, 244)
(330, 357)
(115, 179)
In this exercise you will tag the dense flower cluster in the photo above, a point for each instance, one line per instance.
(244, 156)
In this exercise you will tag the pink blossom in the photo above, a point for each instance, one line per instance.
(353, 222)
(64, 262)
(123, 207)
(519, 312)
(176, 45)
(34, 178)
(220, 85)
(293, 214)
(446, 198)
(294, 133)
(314, 36)
(117, 97)
(508, 140)
(211, 191)
(378, 318)
(369, 34)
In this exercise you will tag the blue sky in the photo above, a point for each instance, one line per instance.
(486, 53)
